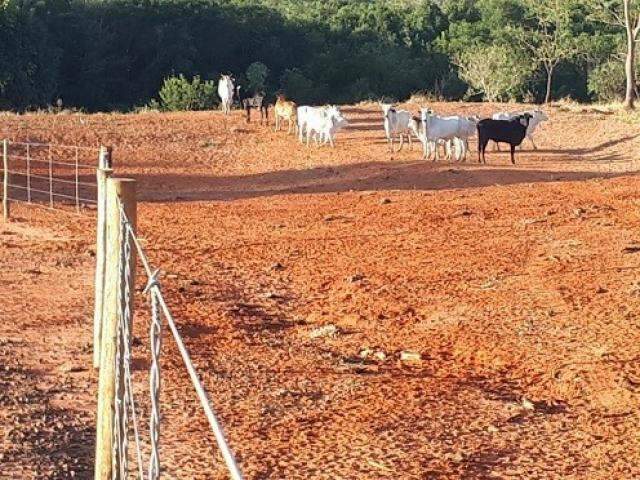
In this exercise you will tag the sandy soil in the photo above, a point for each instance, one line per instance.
(518, 286)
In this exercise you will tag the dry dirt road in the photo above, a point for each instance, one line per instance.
(519, 286)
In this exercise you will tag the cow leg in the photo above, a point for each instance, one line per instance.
(248, 118)
(530, 137)
(482, 147)
(513, 151)
(409, 137)
(401, 142)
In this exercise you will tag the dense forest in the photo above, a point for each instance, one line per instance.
(116, 54)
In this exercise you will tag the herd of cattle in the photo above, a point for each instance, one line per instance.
(452, 133)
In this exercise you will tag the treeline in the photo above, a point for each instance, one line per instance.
(115, 54)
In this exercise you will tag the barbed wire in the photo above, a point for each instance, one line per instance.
(160, 309)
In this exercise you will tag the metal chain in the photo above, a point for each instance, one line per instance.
(216, 428)
(160, 311)
(121, 435)
(155, 335)
(117, 421)
(125, 337)
(126, 342)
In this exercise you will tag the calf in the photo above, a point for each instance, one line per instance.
(286, 110)
(257, 100)
(505, 131)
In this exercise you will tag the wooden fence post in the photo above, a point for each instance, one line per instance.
(103, 172)
(119, 191)
(5, 180)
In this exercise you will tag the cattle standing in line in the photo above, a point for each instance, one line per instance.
(258, 100)
(225, 92)
(286, 110)
(512, 132)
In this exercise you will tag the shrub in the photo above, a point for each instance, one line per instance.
(178, 93)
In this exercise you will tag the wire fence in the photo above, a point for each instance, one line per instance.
(59, 177)
(126, 416)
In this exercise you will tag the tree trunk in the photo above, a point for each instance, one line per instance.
(547, 97)
(630, 69)
(630, 63)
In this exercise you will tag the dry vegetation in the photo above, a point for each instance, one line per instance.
(518, 286)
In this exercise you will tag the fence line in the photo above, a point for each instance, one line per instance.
(49, 175)
(216, 428)
(36, 144)
(116, 405)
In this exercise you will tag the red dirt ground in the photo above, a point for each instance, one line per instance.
(517, 284)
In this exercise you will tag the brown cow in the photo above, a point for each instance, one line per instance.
(286, 110)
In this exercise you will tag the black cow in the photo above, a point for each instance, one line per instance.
(512, 132)
(257, 100)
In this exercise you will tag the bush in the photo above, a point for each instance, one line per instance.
(607, 82)
(178, 93)
(257, 74)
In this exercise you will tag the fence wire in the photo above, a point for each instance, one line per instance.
(58, 177)
(125, 402)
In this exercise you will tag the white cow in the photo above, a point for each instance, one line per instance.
(537, 117)
(459, 146)
(304, 113)
(453, 131)
(322, 123)
(399, 122)
(225, 92)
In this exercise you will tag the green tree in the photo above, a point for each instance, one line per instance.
(625, 16)
(548, 35)
(498, 72)
(257, 74)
